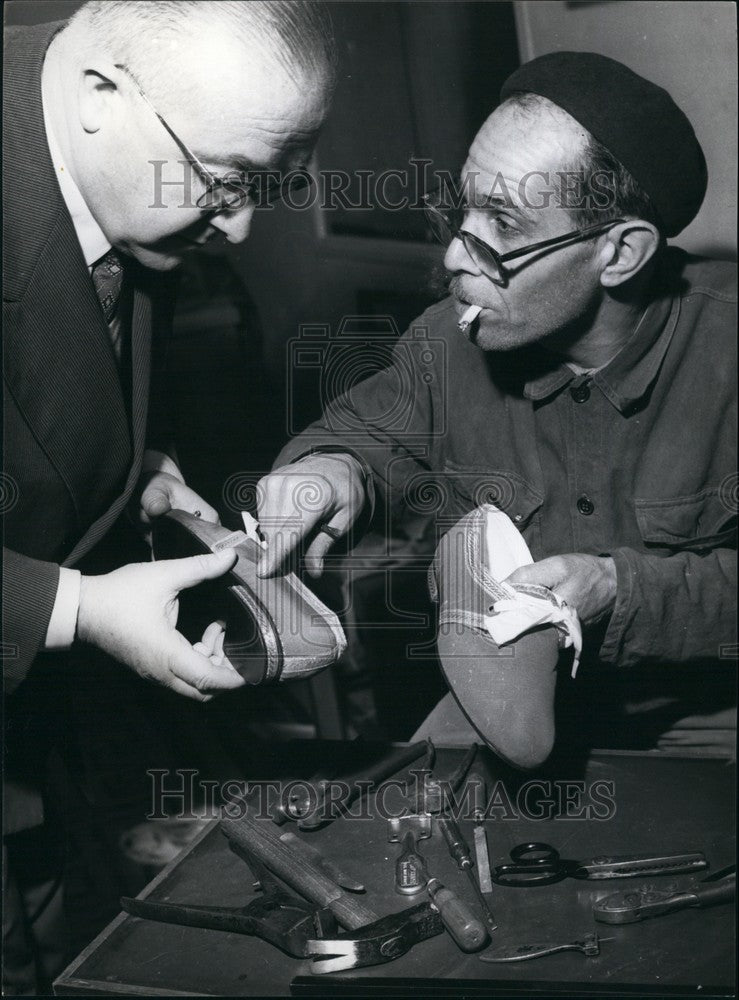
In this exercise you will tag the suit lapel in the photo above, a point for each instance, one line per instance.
(59, 360)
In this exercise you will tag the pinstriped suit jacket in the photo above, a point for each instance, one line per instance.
(71, 452)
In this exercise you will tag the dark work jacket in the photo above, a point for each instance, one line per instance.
(637, 461)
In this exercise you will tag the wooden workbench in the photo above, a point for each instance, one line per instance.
(659, 803)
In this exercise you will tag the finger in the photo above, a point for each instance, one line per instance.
(182, 573)
(282, 541)
(199, 671)
(210, 637)
(316, 553)
(188, 691)
(154, 502)
(188, 500)
(546, 573)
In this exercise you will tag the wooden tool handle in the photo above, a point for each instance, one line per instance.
(263, 841)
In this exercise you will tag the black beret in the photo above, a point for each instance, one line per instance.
(637, 122)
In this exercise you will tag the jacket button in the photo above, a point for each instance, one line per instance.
(580, 393)
(585, 505)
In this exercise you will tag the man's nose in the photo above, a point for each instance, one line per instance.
(456, 258)
(234, 225)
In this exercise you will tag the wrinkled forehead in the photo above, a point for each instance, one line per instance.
(521, 147)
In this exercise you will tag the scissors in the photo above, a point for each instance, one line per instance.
(536, 863)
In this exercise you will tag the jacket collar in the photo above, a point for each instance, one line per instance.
(627, 378)
(32, 202)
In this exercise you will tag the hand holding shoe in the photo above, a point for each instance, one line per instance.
(323, 495)
(131, 614)
(586, 583)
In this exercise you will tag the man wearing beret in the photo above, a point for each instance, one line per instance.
(592, 399)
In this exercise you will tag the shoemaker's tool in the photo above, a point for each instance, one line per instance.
(460, 854)
(412, 876)
(482, 857)
(650, 901)
(467, 931)
(327, 866)
(276, 916)
(387, 939)
(298, 928)
(410, 867)
(261, 840)
(308, 806)
(589, 946)
(540, 864)
(439, 792)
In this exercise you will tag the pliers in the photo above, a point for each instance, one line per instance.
(298, 928)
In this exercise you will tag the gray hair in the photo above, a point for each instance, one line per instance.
(297, 33)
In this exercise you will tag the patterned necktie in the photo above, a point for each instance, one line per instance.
(107, 277)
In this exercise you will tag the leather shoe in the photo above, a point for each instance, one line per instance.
(506, 692)
(276, 629)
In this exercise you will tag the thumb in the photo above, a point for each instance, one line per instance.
(155, 501)
(543, 574)
(184, 573)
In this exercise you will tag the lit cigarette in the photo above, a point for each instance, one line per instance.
(469, 317)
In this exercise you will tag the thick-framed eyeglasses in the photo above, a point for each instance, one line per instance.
(445, 225)
(224, 194)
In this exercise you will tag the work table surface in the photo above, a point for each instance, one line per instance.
(658, 803)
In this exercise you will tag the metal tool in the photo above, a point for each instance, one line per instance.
(412, 876)
(385, 940)
(482, 856)
(438, 793)
(467, 931)
(650, 901)
(327, 866)
(276, 916)
(460, 853)
(298, 928)
(410, 868)
(261, 840)
(540, 864)
(589, 945)
(308, 805)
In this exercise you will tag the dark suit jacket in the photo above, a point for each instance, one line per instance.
(73, 441)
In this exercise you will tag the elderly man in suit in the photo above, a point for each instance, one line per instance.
(133, 134)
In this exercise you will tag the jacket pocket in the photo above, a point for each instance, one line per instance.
(503, 488)
(702, 521)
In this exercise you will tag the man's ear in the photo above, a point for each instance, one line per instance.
(97, 93)
(625, 251)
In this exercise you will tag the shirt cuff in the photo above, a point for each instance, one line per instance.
(63, 622)
(159, 461)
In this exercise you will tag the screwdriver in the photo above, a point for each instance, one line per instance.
(460, 852)
(412, 875)
(457, 917)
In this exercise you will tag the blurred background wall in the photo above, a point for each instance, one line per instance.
(687, 48)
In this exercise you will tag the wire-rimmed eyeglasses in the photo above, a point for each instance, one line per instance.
(224, 194)
(445, 225)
